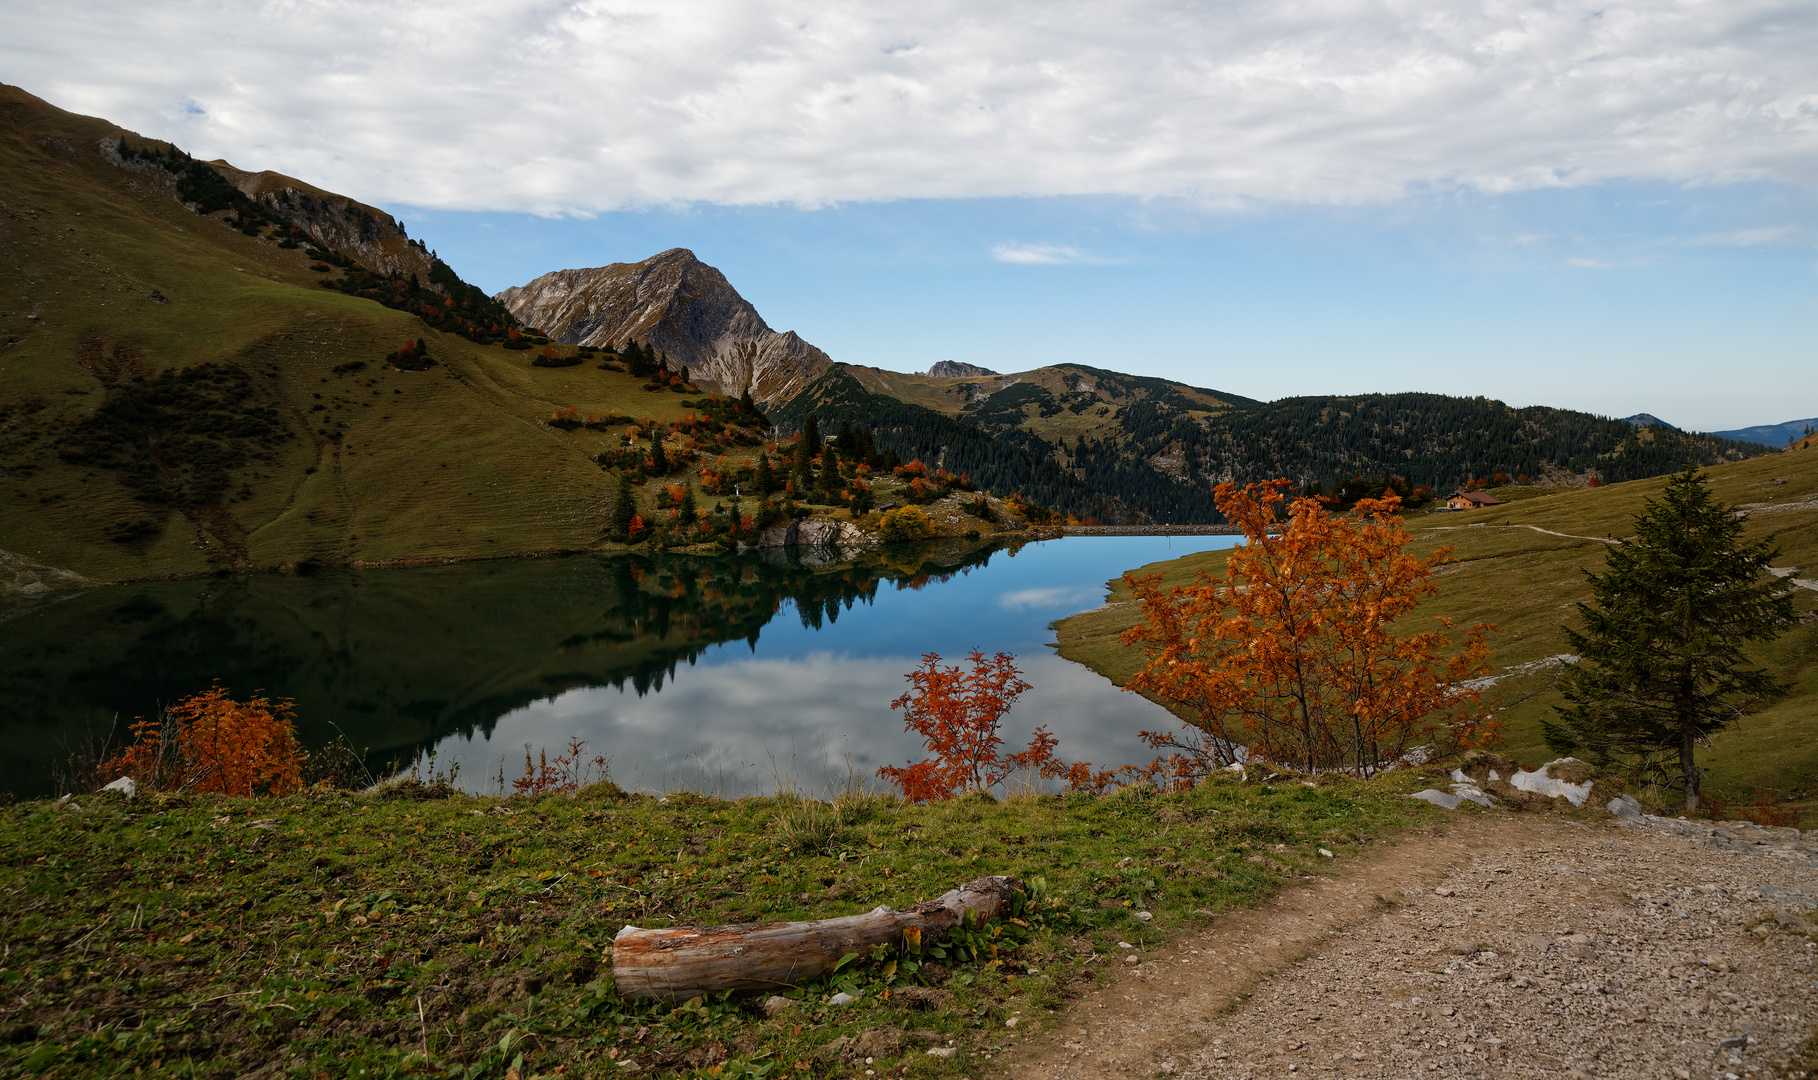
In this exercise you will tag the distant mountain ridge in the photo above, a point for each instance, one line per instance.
(1642, 419)
(679, 305)
(1775, 435)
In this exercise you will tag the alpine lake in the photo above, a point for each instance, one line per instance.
(728, 675)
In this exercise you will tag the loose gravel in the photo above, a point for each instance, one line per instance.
(1504, 946)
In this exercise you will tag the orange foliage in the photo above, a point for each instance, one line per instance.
(567, 773)
(211, 743)
(914, 468)
(958, 715)
(1294, 652)
(675, 493)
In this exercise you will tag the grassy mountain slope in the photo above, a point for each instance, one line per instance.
(180, 397)
(1521, 567)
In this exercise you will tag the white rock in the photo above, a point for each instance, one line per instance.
(124, 786)
(1438, 798)
(1144, 916)
(1625, 806)
(943, 1051)
(1324, 854)
(841, 998)
(1540, 783)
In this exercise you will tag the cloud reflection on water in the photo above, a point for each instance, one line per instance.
(739, 724)
(792, 707)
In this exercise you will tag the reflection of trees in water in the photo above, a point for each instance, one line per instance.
(400, 659)
(670, 610)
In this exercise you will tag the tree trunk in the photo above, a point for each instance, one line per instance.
(1688, 741)
(682, 961)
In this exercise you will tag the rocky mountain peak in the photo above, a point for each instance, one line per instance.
(678, 304)
(954, 369)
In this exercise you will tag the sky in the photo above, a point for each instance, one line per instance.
(1592, 205)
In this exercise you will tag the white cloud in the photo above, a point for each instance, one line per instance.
(1052, 597)
(583, 105)
(1589, 264)
(1045, 255)
(1775, 234)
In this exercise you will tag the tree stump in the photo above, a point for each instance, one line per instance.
(682, 961)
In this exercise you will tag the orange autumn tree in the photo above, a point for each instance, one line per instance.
(211, 743)
(958, 714)
(1295, 654)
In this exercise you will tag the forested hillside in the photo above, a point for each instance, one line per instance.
(1127, 448)
(913, 432)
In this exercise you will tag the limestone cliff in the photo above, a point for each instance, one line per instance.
(954, 369)
(367, 233)
(680, 305)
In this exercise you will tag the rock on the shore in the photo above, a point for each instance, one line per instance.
(816, 533)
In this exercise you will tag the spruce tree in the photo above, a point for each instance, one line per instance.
(1661, 663)
(659, 462)
(830, 471)
(765, 480)
(688, 511)
(805, 452)
(624, 508)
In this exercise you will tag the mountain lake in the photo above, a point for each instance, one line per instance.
(726, 675)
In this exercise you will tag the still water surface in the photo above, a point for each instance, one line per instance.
(722, 674)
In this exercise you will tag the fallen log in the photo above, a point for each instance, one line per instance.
(682, 961)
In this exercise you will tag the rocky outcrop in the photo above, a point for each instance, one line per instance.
(816, 533)
(368, 234)
(677, 304)
(953, 369)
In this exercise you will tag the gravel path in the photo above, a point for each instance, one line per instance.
(1505, 946)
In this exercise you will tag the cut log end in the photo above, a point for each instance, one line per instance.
(680, 962)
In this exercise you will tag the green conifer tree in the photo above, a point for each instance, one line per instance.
(659, 461)
(805, 452)
(765, 480)
(1662, 663)
(688, 511)
(624, 508)
(830, 472)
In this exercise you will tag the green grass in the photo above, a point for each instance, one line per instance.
(1526, 583)
(338, 934)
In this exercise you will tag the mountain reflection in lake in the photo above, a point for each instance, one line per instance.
(723, 673)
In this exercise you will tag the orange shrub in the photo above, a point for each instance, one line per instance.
(1294, 652)
(211, 743)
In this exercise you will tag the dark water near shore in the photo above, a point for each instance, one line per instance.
(724, 674)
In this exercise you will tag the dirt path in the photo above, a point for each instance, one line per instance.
(1536, 528)
(1505, 946)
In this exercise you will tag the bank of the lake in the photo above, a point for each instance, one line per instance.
(353, 934)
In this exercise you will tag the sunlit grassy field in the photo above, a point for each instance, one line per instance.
(1513, 570)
